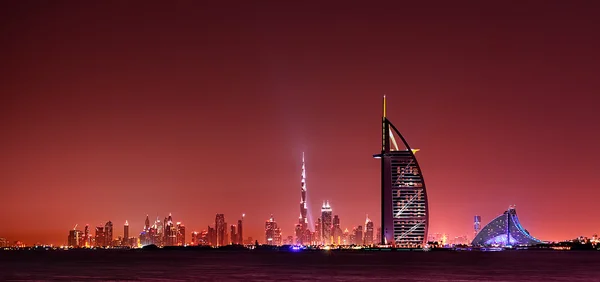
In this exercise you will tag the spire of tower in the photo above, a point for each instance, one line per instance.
(384, 107)
(303, 173)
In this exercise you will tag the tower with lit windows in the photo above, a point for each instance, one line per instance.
(404, 207)
(326, 223)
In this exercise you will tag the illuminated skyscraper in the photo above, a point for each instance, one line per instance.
(302, 230)
(404, 208)
(358, 236)
(272, 232)
(99, 238)
(195, 238)
(108, 234)
(76, 238)
(326, 223)
(240, 234)
(220, 228)
(147, 223)
(126, 232)
(170, 232)
(87, 236)
(368, 232)
(476, 225)
(211, 235)
(233, 234)
(318, 232)
(336, 231)
(180, 234)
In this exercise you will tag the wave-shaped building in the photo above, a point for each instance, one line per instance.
(505, 230)
(404, 207)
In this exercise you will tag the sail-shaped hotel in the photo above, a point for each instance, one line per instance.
(404, 207)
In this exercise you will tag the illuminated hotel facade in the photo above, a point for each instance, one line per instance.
(404, 207)
(505, 230)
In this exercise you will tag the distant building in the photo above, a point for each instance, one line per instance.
(368, 232)
(126, 231)
(211, 236)
(87, 236)
(195, 238)
(317, 237)
(336, 231)
(240, 230)
(76, 238)
(289, 240)
(99, 237)
(358, 236)
(221, 229)
(272, 233)
(326, 224)
(460, 240)
(346, 238)
(476, 224)
(108, 234)
(233, 234)
(3, 243)
(302, 230)
(180, 234)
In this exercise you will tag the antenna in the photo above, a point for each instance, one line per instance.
(384, 106)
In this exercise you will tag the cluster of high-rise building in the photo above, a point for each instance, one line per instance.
(103, 236)
(165, 233)
(327, 229)
(160, 233)
(404, 213)
(221, 234)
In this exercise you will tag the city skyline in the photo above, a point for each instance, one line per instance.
(110, 112)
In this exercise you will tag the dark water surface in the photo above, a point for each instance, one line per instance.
(303, 266)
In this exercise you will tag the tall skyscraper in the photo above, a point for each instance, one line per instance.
(476, 225)
(240, 234)
(336, 231)
(368, 232)
(99, 237)
(76, 238)
(87, 236)
(220, 228)
(326, 223)
(126, 232)
(211, 234)
(233, 234)
(272, 233)
(302, 230)
(147, 223)
(318, 237)
(195, 238)
(358, 236)
(170, 232)
(404, 207)
(180, 234)
(108, 234)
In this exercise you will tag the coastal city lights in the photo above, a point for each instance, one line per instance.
(404, 220)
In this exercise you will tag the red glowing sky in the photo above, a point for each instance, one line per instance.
(115, 110)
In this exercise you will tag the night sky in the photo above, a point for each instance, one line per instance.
(117, 109)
